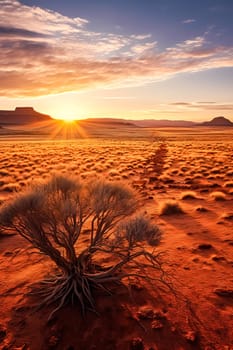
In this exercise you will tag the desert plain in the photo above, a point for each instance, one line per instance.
(193, 173)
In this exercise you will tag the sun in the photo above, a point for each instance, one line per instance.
(68, 119)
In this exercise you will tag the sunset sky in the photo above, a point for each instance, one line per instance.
(135, 59)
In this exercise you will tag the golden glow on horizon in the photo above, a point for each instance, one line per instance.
(69, 120)
(61, 129)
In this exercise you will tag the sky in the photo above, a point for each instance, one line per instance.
(132, 59)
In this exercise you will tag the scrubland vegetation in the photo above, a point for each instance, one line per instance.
(155, 217)
(132, 160)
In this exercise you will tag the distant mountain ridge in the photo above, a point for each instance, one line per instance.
(22, 116)
(162, 123)
(27, 115)
(114, 121)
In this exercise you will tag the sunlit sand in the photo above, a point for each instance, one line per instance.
(195, 176)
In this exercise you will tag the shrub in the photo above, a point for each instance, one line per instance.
(218, 196)
(188, 195)
(227, 216)
(170, 207)
(228, 184)
(54, 217)
(201, 209)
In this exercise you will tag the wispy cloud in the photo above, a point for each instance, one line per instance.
(203, 105)
(143, 48)
(181, 109)
(60, 54)
(189, 20)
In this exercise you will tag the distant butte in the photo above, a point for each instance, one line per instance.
(22, 116)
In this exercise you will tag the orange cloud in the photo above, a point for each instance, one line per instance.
(59, 54)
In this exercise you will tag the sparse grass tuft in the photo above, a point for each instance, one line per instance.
(218, 196)
(170, 207)
(201, 209)
(228, 184)
(227, 216)
(188, 195)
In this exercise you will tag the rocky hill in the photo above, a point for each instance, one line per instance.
(218, 121)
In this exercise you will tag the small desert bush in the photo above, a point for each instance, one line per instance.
(113, 173)
(4, 173)
(188, 195)
(170, 207)
(215, 171)
(174, 171)
(227, 216)
(10, 187)
(56, 216)
(228, 184)
(184, 168)
(218, 196)
(201, 209)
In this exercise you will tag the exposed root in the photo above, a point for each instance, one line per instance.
(69, 289)
(66, 289)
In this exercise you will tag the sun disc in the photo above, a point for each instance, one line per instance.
(69, 119)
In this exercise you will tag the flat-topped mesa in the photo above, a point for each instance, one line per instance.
(21, 116)
(24, 110)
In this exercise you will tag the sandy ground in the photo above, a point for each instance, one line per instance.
(197, 245)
